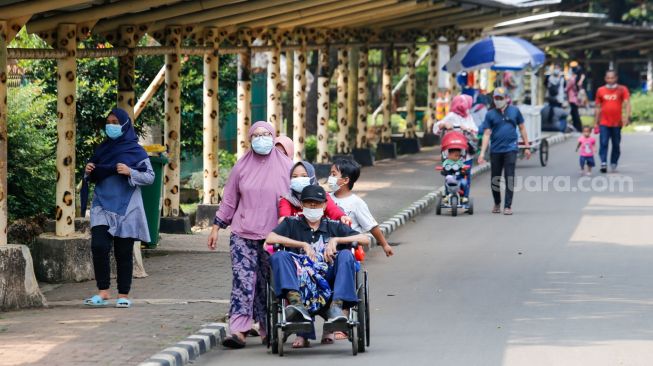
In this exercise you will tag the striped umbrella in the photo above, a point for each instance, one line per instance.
(497, 53)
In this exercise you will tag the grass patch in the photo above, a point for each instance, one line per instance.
(188, 208)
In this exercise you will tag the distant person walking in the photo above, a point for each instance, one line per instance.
(609, 118)
(573, 87)
(501, 125)
(118, 168)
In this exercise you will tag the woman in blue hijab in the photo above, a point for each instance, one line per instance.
(118, 168)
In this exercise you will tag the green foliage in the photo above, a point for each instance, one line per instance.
(227, 161)
(192, 98)
(32, 137)
(642, 107)
(311, 148)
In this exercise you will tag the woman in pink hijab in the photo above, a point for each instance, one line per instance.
(249, 206)
(459, 116)
(285, 145)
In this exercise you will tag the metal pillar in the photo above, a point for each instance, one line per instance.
(66, 129)
(432, 87)
(126, 70)
(299, 103)
(172, 126)
(244, 90)
(410, 94)
(211, 116)
(361, 127)
(386, 130)
(323, 81)
(649, 76)
(274, 89)
(342, 140)
(3, 132)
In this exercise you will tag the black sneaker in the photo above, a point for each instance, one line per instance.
(604, 168)
(296, 313)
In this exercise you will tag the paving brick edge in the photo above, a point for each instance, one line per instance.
(416, 208)
(211, 335)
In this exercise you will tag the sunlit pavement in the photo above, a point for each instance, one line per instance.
(565, 281)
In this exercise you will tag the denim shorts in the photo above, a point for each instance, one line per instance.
(586, 160)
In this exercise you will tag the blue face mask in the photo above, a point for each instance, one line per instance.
(113, 131)
(262, 145)
(298, 184)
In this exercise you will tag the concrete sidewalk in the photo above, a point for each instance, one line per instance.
(187, 286)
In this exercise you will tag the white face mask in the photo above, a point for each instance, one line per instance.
(299, 183)
(332, 182)
(611, 86)
(313, 214)
(500, 103)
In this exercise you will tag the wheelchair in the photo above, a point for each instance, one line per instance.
(357, 326)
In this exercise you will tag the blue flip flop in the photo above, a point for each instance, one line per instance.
(123, 303)
(96, 301)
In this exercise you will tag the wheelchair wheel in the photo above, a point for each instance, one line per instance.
(361, 331)
(454, 205)
(280, 340)
(354, 339)
(367, 311)
(470, 206)
(438, 205)
(268, 316)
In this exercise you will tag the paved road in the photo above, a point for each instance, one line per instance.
(565, 281)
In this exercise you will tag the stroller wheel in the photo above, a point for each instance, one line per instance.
(470, 206)
(438, 205)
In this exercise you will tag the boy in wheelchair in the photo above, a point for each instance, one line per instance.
(317, 239)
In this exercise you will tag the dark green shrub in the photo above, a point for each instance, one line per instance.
(311, 148)
(31, 154)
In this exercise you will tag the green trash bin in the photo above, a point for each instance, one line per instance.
(152, 199)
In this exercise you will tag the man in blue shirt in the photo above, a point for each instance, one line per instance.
(501, 125)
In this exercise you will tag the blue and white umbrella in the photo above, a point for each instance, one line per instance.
(497, 53)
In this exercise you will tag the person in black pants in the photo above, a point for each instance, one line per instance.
(500, 133)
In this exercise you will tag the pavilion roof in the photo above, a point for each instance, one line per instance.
(574, 33)
(105, 17)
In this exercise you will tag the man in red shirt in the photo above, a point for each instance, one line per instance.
(610, 100)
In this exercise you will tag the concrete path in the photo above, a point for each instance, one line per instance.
(565, 281)
(187, 286)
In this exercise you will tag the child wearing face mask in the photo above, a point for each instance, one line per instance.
(344, 173)
(302, 175)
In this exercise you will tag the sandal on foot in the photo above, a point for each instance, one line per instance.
(123, 303)
(341, 336)
(328, 338)
(301, 343)
(233, 342)
(496, 209)
(96, 301)
(253, 333)
(507, 211)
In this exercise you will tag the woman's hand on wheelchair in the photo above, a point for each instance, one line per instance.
(346, 220)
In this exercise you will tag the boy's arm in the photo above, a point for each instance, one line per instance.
(380, 239)
(275, 238)
(578, 146)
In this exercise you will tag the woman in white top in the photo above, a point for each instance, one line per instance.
(458, 116)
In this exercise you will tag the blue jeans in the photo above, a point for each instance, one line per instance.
(341, 275)
(607, 134)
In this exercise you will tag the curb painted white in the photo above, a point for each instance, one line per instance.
(188, 350)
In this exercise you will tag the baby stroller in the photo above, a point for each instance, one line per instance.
(456, 188)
